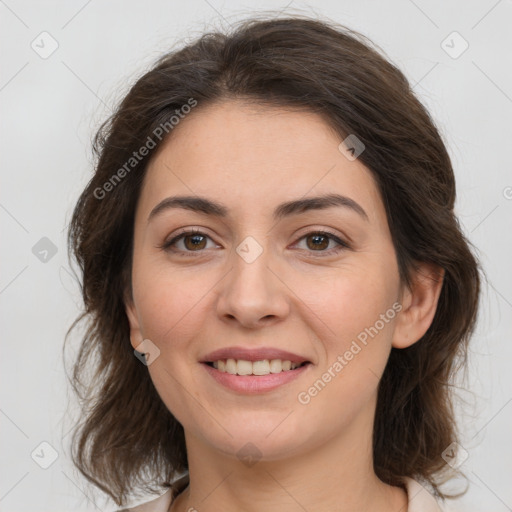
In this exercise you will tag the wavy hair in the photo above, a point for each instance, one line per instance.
(127, 438)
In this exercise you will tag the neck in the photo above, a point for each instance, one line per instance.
(336, 475)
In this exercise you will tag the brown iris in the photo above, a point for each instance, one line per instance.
(316, 245)
(196, 242)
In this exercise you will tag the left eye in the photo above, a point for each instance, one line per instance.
(195, 241)
(319, 240)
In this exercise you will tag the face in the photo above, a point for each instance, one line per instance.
(316, 284)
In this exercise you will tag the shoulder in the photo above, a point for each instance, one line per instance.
(420, 500)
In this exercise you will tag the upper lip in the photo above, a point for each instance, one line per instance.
(253, 354)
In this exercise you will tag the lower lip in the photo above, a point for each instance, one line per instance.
(252, 384)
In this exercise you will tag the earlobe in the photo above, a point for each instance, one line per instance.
(419, 304)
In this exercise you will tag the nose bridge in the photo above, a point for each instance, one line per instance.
(252, 291)
(251, 276)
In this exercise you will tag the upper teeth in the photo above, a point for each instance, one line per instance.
(264, 367)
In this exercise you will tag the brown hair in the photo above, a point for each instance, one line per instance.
(128, 437)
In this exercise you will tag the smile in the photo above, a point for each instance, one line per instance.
(254, 383)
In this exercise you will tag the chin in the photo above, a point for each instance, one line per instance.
(259, 435)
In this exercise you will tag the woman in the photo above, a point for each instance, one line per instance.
(277, 287)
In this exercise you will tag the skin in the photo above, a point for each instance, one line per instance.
(293, 296)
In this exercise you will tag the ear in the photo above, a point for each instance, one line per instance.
(133, 319)
(419, 304)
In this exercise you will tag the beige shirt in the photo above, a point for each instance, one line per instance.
(420, 500)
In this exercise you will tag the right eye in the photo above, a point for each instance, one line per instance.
(192, 241)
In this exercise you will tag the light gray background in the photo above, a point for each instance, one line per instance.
(49, 110)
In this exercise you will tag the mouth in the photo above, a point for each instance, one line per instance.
(254, 370)
(244, 367)
(250, 383)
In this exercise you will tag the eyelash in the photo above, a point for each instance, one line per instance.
(166, 246)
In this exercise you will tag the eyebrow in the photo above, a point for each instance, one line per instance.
(209, 207)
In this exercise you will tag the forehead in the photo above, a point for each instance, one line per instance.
(254, 156)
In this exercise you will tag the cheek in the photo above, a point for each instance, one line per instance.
(167, 301)
(351, 300)
(171, 307)
(355, 313)
(354, 334)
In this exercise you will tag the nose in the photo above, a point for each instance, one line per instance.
(253, 294)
